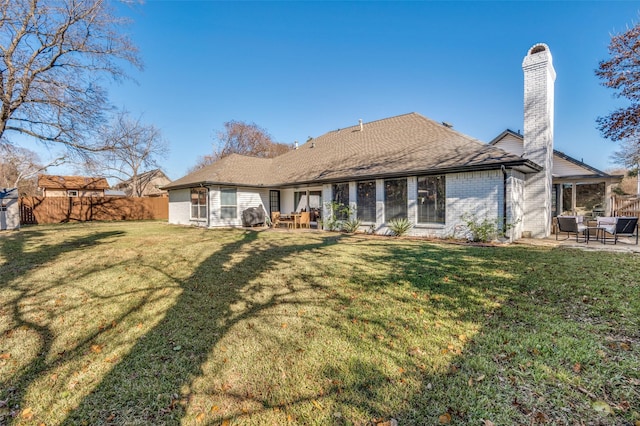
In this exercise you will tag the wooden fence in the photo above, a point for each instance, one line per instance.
(626, 206)
(41, 210)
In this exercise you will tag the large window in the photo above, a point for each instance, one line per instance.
(341, 200)
(431, 199)
(228, 203)
(395, 199)
(199, 203)
(274, 201)
(590, 199)
(366, 194)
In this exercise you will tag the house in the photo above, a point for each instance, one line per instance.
(147, 184)
(406, 166)
(577, 188)
(9, 209)
(72, 186)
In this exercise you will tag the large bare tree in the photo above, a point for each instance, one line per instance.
(56, 56)
(621, 72)
(628, 156)
(19, 168)
(239, 137)
(134, 147)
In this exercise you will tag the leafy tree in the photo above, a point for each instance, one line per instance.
(239, 137)
(132, 148)
(19, 168)
(54, 58)
(621, 72)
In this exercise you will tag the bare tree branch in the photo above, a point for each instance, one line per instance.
(130, 148)
(55, 56)
(242, 138)
(20, 166)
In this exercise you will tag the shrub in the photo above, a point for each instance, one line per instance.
(480, 230)
(400, 227)
(351, 226)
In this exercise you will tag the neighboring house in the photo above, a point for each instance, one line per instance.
(147, 184)
(72, 186)
(400, 167)
(578, 188)
(9, 209)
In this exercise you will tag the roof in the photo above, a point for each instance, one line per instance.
(146, 176)
(149, 183)
(596, 172)
(72, 182)
(396, 146)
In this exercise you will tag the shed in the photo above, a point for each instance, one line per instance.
(9, 209)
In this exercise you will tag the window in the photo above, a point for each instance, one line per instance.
(431, 199)
(274, 201)
(199, 203)
(72, 193)
(567, 199)
(228, 203)
(395, 199)
(299, 200)
(590, 199)
(366, 198)
(340, 193)
(315, 199)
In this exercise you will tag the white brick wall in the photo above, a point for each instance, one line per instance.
(479, 193)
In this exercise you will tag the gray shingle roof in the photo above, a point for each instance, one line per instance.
(401, 145)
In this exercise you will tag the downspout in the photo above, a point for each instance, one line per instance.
(504, 200)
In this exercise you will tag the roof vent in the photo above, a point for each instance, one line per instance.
(313, 144)
(361, 126)
(445, 124)
(295, 145)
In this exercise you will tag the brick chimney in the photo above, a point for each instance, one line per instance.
(539, 79)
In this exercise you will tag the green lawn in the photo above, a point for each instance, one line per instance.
(146, 323)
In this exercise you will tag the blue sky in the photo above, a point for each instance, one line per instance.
(301, 69)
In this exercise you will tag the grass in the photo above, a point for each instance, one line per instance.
(146, 323)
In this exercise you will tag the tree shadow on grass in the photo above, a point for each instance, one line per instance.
(151, 384)
(541, 352)
(21, 259)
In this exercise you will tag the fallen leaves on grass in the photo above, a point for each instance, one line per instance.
(577, 367)
(444, 419)
(96, 349)
(27, 413)
(5, 355)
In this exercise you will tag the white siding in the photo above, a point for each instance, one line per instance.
(10, 213)
(180, 207)
(511, 144)
(561, 167)
(245, 198)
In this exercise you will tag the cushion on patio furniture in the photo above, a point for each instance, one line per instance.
(607, 223)
(570, 225)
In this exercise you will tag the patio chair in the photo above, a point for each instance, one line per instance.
(625, 227)
(305, 220)
(275, 219)
(570, 225)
